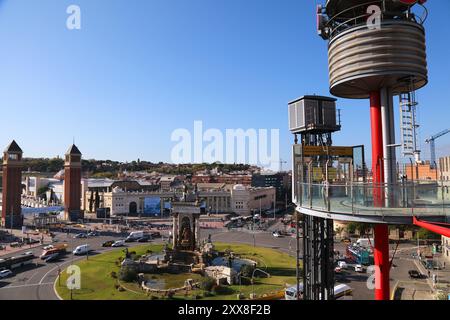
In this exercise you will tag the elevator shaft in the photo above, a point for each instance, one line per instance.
(318, 258)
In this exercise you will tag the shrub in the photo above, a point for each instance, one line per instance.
(207, 284)
(221, 290)
(247, 270)
(127, 274)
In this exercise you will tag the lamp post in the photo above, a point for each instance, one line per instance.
(253, 281)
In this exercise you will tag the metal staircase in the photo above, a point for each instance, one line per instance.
(409, 125)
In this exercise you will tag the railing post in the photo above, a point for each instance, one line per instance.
(351, 186)
(310, 184)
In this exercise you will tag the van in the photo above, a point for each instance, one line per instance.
(80, 250)
(133, 236)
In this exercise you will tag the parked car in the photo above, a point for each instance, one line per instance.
(5, 274)
(342, 265)
(80, 236)
(93, 234)
(29, 253)
(108, 244)
(276, 234)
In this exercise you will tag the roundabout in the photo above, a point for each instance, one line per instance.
(100, 278)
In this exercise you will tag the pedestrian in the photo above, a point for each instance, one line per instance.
(429, 274)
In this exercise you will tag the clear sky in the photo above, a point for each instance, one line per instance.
(139, 69)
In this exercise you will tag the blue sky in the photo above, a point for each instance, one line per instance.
(139, 69)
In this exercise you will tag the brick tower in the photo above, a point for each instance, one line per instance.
(12, 187)
(72, 184)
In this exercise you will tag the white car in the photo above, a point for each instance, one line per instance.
(359, 268)
(119, 243)
(5, 274)
(276, 234)
(49, 247)
(342, 265)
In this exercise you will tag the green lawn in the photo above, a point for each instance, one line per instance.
(97, 283)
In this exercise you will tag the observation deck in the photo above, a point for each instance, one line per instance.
(356, 202)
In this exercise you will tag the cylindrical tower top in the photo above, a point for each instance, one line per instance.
(374, 44)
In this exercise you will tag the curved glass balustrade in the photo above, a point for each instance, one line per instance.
(402, 199)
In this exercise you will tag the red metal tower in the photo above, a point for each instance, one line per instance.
(12, 187)
(72, 184)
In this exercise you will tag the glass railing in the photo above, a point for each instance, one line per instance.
(419, 199)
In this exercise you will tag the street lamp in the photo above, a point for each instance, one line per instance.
(253, 276)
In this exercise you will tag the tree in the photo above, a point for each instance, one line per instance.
(128, 274)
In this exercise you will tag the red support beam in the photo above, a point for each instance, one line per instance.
(436, 228)
(377, 138)
(381, 249)
(382, 263)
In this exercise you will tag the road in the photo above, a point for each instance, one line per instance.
(36, 281)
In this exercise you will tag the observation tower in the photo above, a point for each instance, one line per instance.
(376, 50)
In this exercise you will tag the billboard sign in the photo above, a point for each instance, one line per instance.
(152, 206)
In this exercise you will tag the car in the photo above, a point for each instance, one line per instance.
(30, 241)
(337, 270)
(49, 247)
(156, 234)
(52, 257)
(5, 274)
(414, 274)
(108, 243)
(144, 239)
(359, 268)
(80, 236)
(29, 253)
(342, 265)
(276, 234)
(131, 239)
(118, 243)
(93, 234)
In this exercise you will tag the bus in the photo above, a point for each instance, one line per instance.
(54, 251)
(340, 291)
(16, 262)
(359, 255)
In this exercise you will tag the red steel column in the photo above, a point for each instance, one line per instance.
(377, 139)
(381, 250)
